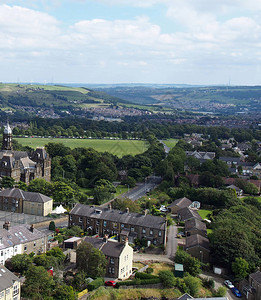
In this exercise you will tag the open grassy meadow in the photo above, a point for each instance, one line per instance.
(116, 147)
(170, 142)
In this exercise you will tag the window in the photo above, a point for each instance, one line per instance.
(70, 218)
(7, 291)
(88, 221)
(2, 253)
(151, 232)
(159, 233)
(80, 219)
(112, 261)
(104, 223)
(25, 248)
(122, 225)
(34, 244)
(132, 228)
(15, 249)
(97, 222)
(112, 270)
(16, 290)
(109, 269)
(2, 294)
(143, 230)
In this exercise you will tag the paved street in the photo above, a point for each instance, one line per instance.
(141, 190)
(172, 242)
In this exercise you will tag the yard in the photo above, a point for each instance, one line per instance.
(205, 213)
(170, 142)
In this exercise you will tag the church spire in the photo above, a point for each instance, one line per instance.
(7, 138)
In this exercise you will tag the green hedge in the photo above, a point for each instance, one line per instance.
(95, 284)
(138, 281)
(142, 275)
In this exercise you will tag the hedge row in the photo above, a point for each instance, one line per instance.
(95, 284)
(138, 282)
(142, 275)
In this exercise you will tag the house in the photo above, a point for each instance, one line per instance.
(257, 169)
(230, 161)
(16, 200)
(252, 290)
(194, 226)
(107, 221)
(19, 165)
(19, 240)
(198, 246)
(178, 204)
(201, 156)
(119, 256)
(187, 213)
(239, 192)
(193, 179)
(9, 285)
(72, 243)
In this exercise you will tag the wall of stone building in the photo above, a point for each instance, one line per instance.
(47, 208)
(114, 265)
(33, 208)
(38, 246)
(6, 204)
(125, 261)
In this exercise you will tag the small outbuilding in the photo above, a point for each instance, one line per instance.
(179, 270)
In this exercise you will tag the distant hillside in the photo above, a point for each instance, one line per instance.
(15, 96)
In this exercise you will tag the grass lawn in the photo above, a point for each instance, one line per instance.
(204, 213)
(170, 143)
(157, 267)
(116, 147)
(258, 198)
(209, 231)
(120, 189)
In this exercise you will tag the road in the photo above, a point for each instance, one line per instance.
(141, 190)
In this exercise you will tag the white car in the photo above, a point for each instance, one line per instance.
(228, 284)
(163, 208)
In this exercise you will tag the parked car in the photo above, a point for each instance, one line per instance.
(236, 292)
(163, 208)
(110, 283)
(228, 284)
(181, 234)
(136, 248)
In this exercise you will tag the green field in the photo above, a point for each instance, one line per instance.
(204, 213)
(116, 147)
(170, 143)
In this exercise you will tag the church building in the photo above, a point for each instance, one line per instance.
(19, 164)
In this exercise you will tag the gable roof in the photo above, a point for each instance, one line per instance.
(26, 196)
(197, 240)
(256, 276)
(7, 278)
(181, 202)
(188, 213)
(115, 215)
(18, 235)
(108, 248)
(195, 224)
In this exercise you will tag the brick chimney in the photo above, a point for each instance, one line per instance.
(127, 210)
(7, 225)
(145, 212)
(105, 238)
(126, 241)
(32, 228)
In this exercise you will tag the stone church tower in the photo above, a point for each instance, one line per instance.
(7, 138)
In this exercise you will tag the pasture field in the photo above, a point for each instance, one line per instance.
(170, 142)
(116, 147)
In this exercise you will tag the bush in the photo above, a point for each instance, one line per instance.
(167, 278)
(208, 283)
(95, 284)
(138, 281)
(149, 271)
(142, 275)
(221, 292)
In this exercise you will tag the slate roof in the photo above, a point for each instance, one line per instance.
(196, 240)
(195, 224)
(201, 154)
(187, 213)
(181, 202)
(109, 248)
(256, 276)
(16, 154)
(26, 196)
(7, 278)
(17, 235)
(39, 153)
(232, 186)
(185, 297)
(118, 216)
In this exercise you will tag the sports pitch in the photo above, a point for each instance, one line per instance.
(116, 147)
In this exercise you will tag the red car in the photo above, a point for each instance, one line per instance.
(110, 283)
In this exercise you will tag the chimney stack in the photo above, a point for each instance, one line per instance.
(127, 210)
(145, 212)
(32, 228)
(7, 225)
(105, 238)
(109, 206)
(126, 241)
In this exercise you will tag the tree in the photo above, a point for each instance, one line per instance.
(191, 264)
(90, 260)
(63, 291)
(240, 268)
(38, 284)
(21, 262)
(40, 185)
(52, 226)
(167, 278)
(63, 193)
(7, 182)
(103, 191)
(193, 284)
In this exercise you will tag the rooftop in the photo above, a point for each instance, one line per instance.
(7, 278)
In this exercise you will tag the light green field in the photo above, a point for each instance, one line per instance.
(170, 143)
(204, 213)
(116, 147)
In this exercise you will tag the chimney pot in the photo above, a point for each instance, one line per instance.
(32, 228)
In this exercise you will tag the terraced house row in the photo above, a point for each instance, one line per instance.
(107, 221)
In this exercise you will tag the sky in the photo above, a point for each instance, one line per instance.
(131, 41)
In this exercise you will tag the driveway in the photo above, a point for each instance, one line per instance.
(172, 243)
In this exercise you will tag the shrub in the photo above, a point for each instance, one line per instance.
(142, 275)
(149, 271)
(138, 281)
(208, 283)
(95, 284)
(167, 278)
(221, 292)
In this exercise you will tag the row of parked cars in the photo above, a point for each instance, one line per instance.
(233, 289)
